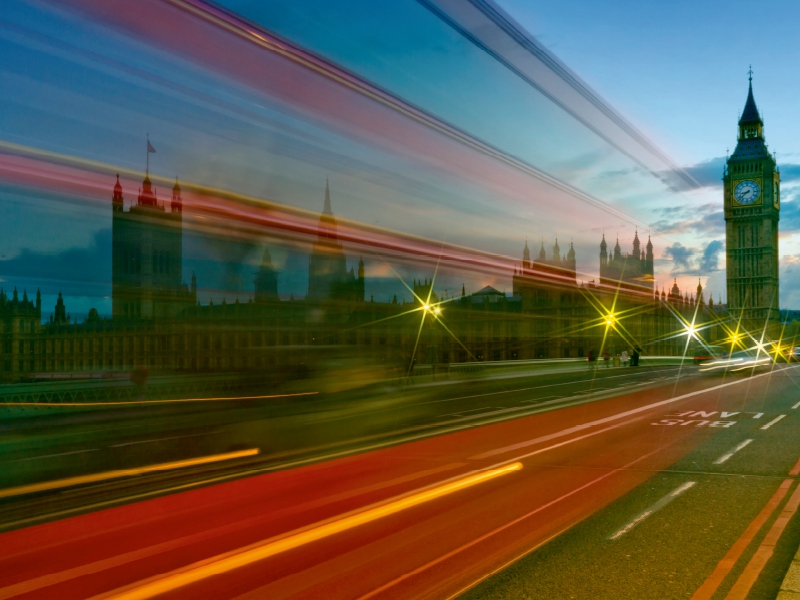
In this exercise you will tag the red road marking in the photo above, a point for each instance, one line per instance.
(706, 591)
(753, 569)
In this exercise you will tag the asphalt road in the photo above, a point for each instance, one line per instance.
(679, 550)
(623, 497)
(52, 443)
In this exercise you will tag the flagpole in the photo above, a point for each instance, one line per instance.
(147, 151)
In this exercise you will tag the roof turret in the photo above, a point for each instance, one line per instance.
(117, 191)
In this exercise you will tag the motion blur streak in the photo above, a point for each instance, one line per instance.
(516, 521)
(249, 217)
(72, 481)
(209, 36)
(170, 401)
(240, 558)
(487, 26)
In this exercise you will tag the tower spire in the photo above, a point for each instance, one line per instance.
(750, 114)
(326, 210)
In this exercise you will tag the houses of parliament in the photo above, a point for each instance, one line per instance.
(157, 322)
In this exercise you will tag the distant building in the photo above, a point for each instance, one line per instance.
(157, 322)
(752, 202)
(632, 271)
(266, 282)
(328, 277)
(147, 256)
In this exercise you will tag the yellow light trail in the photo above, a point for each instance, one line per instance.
(173, 401)
(262, 550)
(94, 478)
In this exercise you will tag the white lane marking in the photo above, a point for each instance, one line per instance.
(472, 410)
(177, 437)
(771, 423)
(796, 405)
(538, 399)
(52, 455)
(621, 415)
(541, 387)
(651, 509)
(758, 415)
(727, 455)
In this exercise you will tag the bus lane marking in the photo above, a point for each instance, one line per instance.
(652, 509)
(696, 422)
(622, 415)
(771, 423)
(730, 453)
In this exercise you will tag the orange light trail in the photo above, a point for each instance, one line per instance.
(94, 478)
(262, 550)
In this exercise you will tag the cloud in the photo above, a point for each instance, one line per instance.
(680, 256)
(709, 262)
(790, 282)
(789, 172)
(709, 172)
(78, 265)
(687, 260)
(706, 219)
(790, 214)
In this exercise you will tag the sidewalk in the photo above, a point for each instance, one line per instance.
(790, 588)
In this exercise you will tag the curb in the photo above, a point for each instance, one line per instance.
(790, 588)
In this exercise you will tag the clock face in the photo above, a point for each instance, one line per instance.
(747, 192)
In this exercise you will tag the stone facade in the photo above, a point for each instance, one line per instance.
(752, 211)
(158, 324)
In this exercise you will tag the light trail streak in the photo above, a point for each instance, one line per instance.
(533, 49)
(494, 532)
(96, 477)
(170, 401)
(240, 558)
(263, 39)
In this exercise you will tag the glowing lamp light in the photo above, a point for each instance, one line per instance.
(426, 307)
(437, 310)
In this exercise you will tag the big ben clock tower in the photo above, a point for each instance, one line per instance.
(752, 188)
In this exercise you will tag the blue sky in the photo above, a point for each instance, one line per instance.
(677, 72)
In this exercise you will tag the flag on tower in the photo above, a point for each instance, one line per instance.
(150, 147)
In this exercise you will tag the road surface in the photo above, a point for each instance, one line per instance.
(622, 497)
